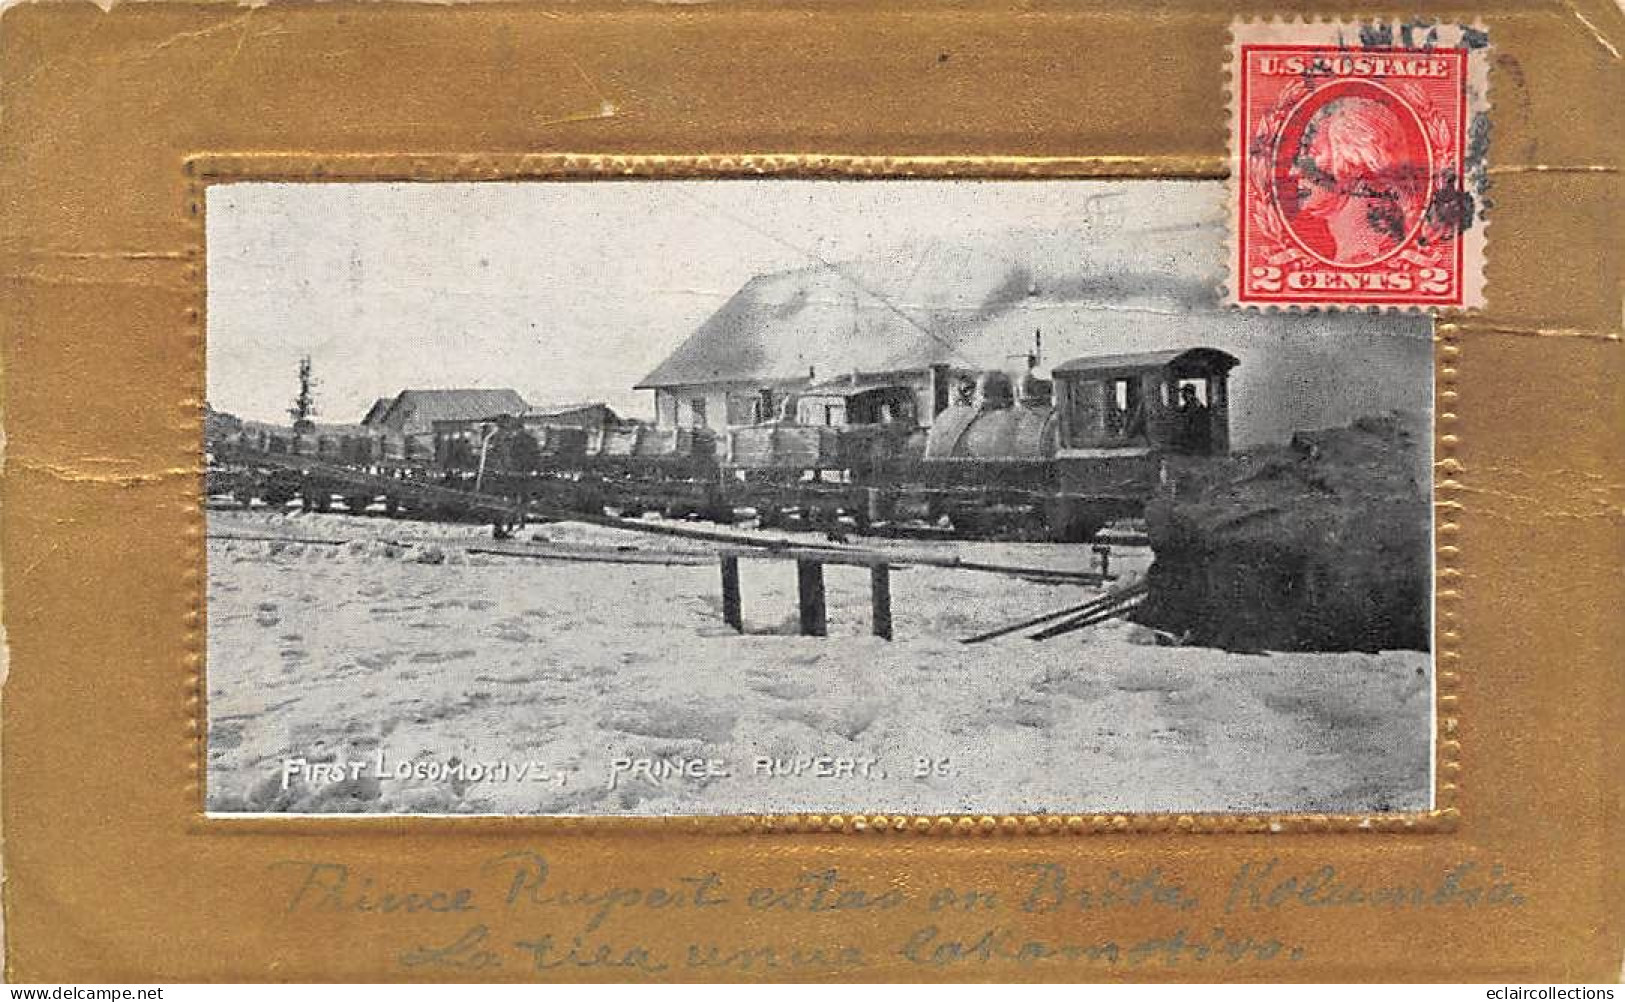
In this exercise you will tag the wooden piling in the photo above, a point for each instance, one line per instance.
(810, 588)
(1104, 552)
(880, 599)
(731, 612)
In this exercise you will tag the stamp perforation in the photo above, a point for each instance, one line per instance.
(1267, 285)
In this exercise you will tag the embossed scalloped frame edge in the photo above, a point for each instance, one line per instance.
(204, 169)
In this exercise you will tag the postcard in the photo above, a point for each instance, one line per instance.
(804, 492)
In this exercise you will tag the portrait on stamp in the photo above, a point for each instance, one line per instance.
(719, 497)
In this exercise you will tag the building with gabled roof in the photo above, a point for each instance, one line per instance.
(414, 412)
(593, 414)
(376, 411)
(878, 323)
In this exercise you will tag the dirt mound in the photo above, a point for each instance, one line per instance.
(1322, 545)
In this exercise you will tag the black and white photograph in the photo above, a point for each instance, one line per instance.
(716, 497)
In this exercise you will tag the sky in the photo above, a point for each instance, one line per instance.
(574, 290)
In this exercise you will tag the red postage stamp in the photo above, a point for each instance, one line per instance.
(1357, 160)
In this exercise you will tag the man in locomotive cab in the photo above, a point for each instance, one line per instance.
(1194, 435)
(1116, 419)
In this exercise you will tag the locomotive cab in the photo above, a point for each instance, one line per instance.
(1122, 418)
(1156, 403)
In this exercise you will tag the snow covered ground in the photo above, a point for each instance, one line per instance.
(396, 672)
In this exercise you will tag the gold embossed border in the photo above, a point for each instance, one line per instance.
(204, 170)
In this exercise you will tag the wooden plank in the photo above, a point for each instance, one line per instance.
(853, 558)
(1082, 621)
(234, 537)
(627, 554)
(1122, 602)
(739, 542)
(810, 590)
(731, 612)
(880, 599)
(584, 557)
(1050, 573)
(1071, 610)
(898, 558)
